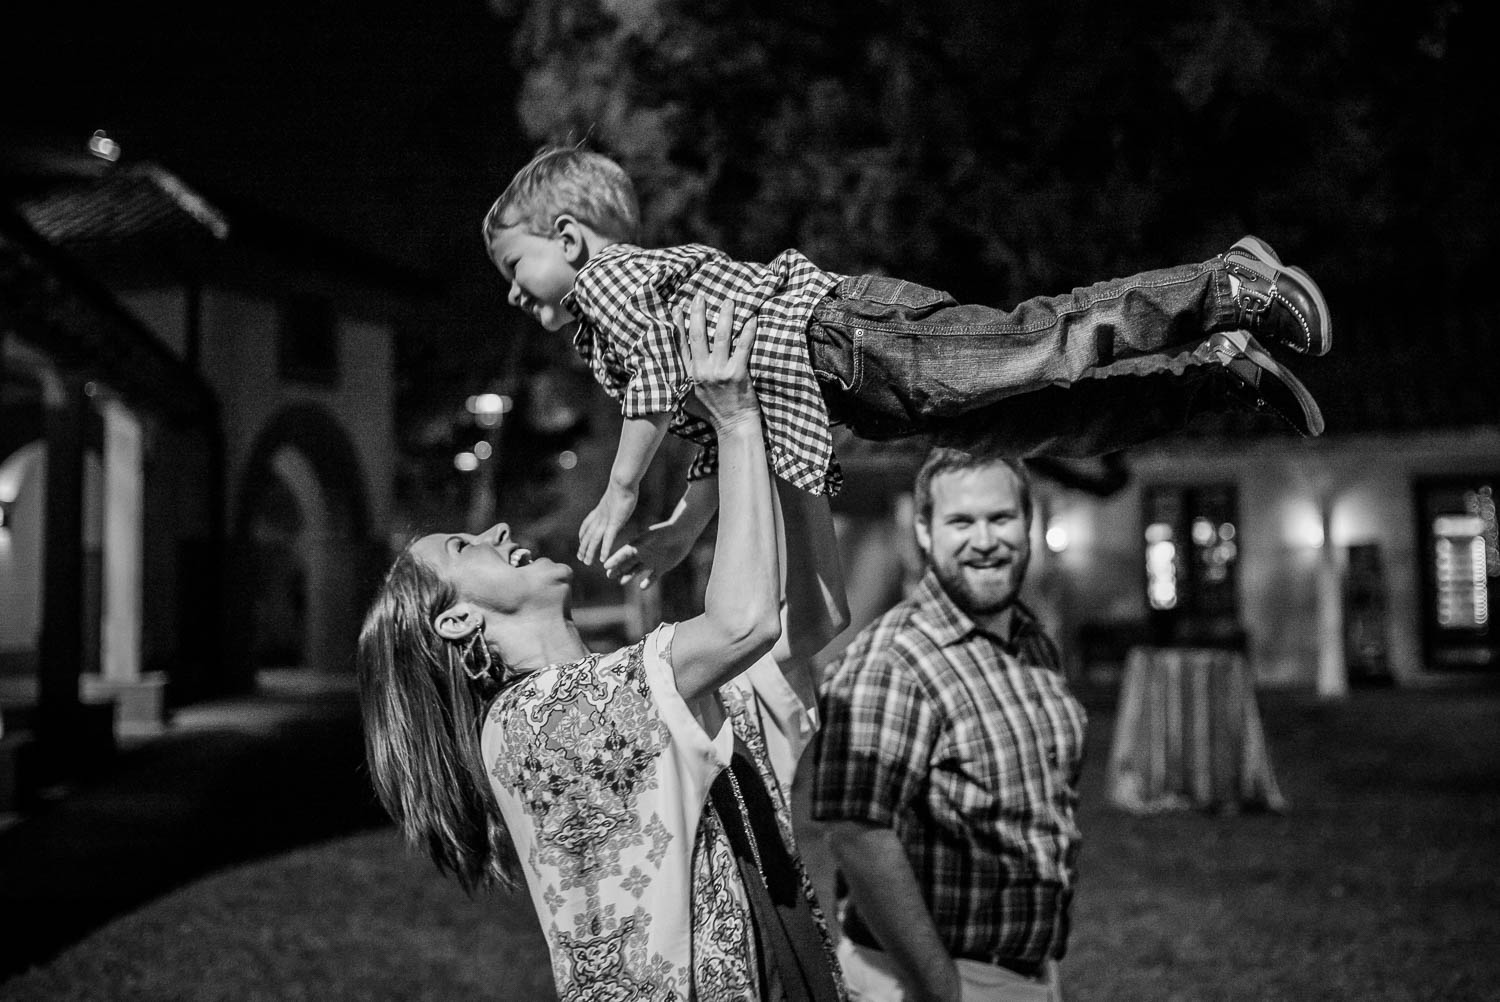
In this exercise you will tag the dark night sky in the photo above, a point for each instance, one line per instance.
(377, 121)
(388, 124)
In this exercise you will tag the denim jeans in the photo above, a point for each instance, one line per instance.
(1101, 368)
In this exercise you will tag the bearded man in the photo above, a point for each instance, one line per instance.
(947, 769)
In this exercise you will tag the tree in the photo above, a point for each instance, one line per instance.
(1003, 150)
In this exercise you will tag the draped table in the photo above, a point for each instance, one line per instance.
(1188, 734)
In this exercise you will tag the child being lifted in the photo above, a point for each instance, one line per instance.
(884, 356)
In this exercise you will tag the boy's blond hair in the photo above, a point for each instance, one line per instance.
(567, 179)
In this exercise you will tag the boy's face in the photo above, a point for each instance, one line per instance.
(538, 271)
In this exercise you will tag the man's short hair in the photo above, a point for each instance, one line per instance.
(572, 180)
(945, 459)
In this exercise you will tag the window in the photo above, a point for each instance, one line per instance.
(307, 342)
(1461, 573)
(1191, 561)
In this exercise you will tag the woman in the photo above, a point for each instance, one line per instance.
(632, 792)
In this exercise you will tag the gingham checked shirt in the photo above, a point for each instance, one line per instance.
(970, 748)
(625, 299)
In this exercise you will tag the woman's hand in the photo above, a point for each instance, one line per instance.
(719, 371)
(740, 619)
(651, 554)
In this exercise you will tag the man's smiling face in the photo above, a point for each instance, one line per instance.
(977, 539)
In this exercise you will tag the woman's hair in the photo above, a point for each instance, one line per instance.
(422, 716)
(567, 179)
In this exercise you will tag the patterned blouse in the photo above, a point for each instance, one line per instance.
(602, 772)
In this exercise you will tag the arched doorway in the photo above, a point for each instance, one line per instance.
(23, 502)
(301, 542)
(21, 505)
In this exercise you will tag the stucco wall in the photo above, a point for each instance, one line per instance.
(1098, 576)
(240, 362)
(164, 311)
(1369, 482)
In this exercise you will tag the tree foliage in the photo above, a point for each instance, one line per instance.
(1000, 150)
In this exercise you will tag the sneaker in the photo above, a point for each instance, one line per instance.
(1262, 382)
(1277, 301)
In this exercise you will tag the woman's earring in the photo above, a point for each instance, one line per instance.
(479, 663)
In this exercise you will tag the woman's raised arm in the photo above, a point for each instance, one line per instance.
(740, 619)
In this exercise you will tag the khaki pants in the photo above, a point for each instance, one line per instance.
(871, 977)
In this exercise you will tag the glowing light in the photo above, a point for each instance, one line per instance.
(103, 147)
(466, 462)
(1203, 531)
(1057, 536)
(1158, 532)
(1161, 571)
(483, 450)
(1457, 525)
(567, 459)
(1481, 582)
(488, 403)
(1482, 504)
(1462, 564)
(1302, 525)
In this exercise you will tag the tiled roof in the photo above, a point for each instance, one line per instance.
(141, 223)
(139, 201)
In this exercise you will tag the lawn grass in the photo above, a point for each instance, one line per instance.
(1381, 882)
(355, 918)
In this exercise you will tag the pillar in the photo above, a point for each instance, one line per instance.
(123, 493)
(60, 727)
(1333, 676)
(139, 697)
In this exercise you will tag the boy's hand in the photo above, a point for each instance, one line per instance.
(651, 554)
(596, 537)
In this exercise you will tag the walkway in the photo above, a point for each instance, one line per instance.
(229, 781)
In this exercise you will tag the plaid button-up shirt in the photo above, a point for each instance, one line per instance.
(625, 299)
(970, 748)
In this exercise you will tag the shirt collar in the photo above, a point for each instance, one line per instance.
(604, 254)
(947, 624)
(583, 334)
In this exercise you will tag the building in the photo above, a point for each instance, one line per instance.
(1366, 556)
(196, 446)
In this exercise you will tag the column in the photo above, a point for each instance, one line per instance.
(139, 697)
(123, 492)
(1333, 676)
(60, 645)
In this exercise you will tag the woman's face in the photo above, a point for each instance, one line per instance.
(491, 570)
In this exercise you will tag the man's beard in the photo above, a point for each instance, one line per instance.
(981, 603)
